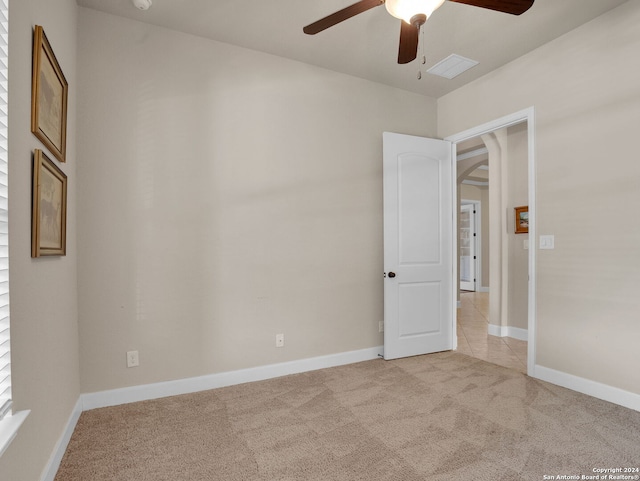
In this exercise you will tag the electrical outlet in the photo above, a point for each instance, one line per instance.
(279, 340)
(380, 326)
(132, 359)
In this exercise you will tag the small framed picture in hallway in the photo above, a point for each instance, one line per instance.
(522, 219)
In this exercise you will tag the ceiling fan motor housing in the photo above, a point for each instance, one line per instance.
(418, 20)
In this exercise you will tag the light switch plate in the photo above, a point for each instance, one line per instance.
(547, 242)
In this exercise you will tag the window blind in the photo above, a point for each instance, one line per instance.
(5, 353)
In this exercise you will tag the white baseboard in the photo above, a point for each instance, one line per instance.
(184, 386)
(508, 331)
(483, 289)
(586, 386)
(51, 469)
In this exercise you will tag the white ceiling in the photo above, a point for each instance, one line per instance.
(366, 46)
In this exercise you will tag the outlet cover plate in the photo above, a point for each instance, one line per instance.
(133, 360)
(547, 242)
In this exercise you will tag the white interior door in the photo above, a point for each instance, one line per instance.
(418, 245)
(467, 242)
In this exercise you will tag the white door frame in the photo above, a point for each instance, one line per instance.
(526, 115)
(477, 206)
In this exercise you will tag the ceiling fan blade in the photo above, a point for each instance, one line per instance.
(409, 35)
(514, 7)
(341, 16)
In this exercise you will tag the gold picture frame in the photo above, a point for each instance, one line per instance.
(49, 91)
(522, 219)
(49, 208)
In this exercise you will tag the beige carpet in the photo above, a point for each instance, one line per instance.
(443, 416)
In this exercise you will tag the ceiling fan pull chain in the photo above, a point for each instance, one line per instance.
(422, 46)
(424, 58)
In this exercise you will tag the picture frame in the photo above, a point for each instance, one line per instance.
(49, 92)
(49, 208)
(522, 219)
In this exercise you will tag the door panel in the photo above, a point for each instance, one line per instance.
(416, 298)
(418, 260)
(418, 179)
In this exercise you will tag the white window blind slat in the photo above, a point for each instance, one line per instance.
(5, 341)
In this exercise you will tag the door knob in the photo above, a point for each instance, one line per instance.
(392, 274)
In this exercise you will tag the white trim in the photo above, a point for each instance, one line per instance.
(184, 386)
(476, 183)
(477, 224)
(474, 153)
(483, 289)
(470, 207)
(9, 426)
(495, 330)
(591, 388)
(508, 331)
(51, 469)
(455, 268)
(526, 115)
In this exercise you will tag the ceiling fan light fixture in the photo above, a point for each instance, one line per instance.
(407, 9)
(142, 4)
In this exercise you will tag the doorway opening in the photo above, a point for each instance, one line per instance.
(469, 240)
(512, 290)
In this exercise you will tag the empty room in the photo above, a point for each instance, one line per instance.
(231, 247)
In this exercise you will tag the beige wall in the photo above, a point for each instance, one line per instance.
(518, 256)
(486, 239)
(225, 196)
(44, 332)
(586, 93)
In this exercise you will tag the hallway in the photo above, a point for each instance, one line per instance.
(474, 341)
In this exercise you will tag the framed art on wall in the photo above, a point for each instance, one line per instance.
(49, 90)
(522, 220)
(49, 208)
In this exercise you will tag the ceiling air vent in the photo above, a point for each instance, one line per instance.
(452, 66)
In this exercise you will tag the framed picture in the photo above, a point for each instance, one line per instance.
(49, 90)
(522, 219)
(49, 209)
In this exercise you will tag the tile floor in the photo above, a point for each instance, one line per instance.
(474, 341)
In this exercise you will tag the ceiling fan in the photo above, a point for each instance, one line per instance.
(414, 14)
